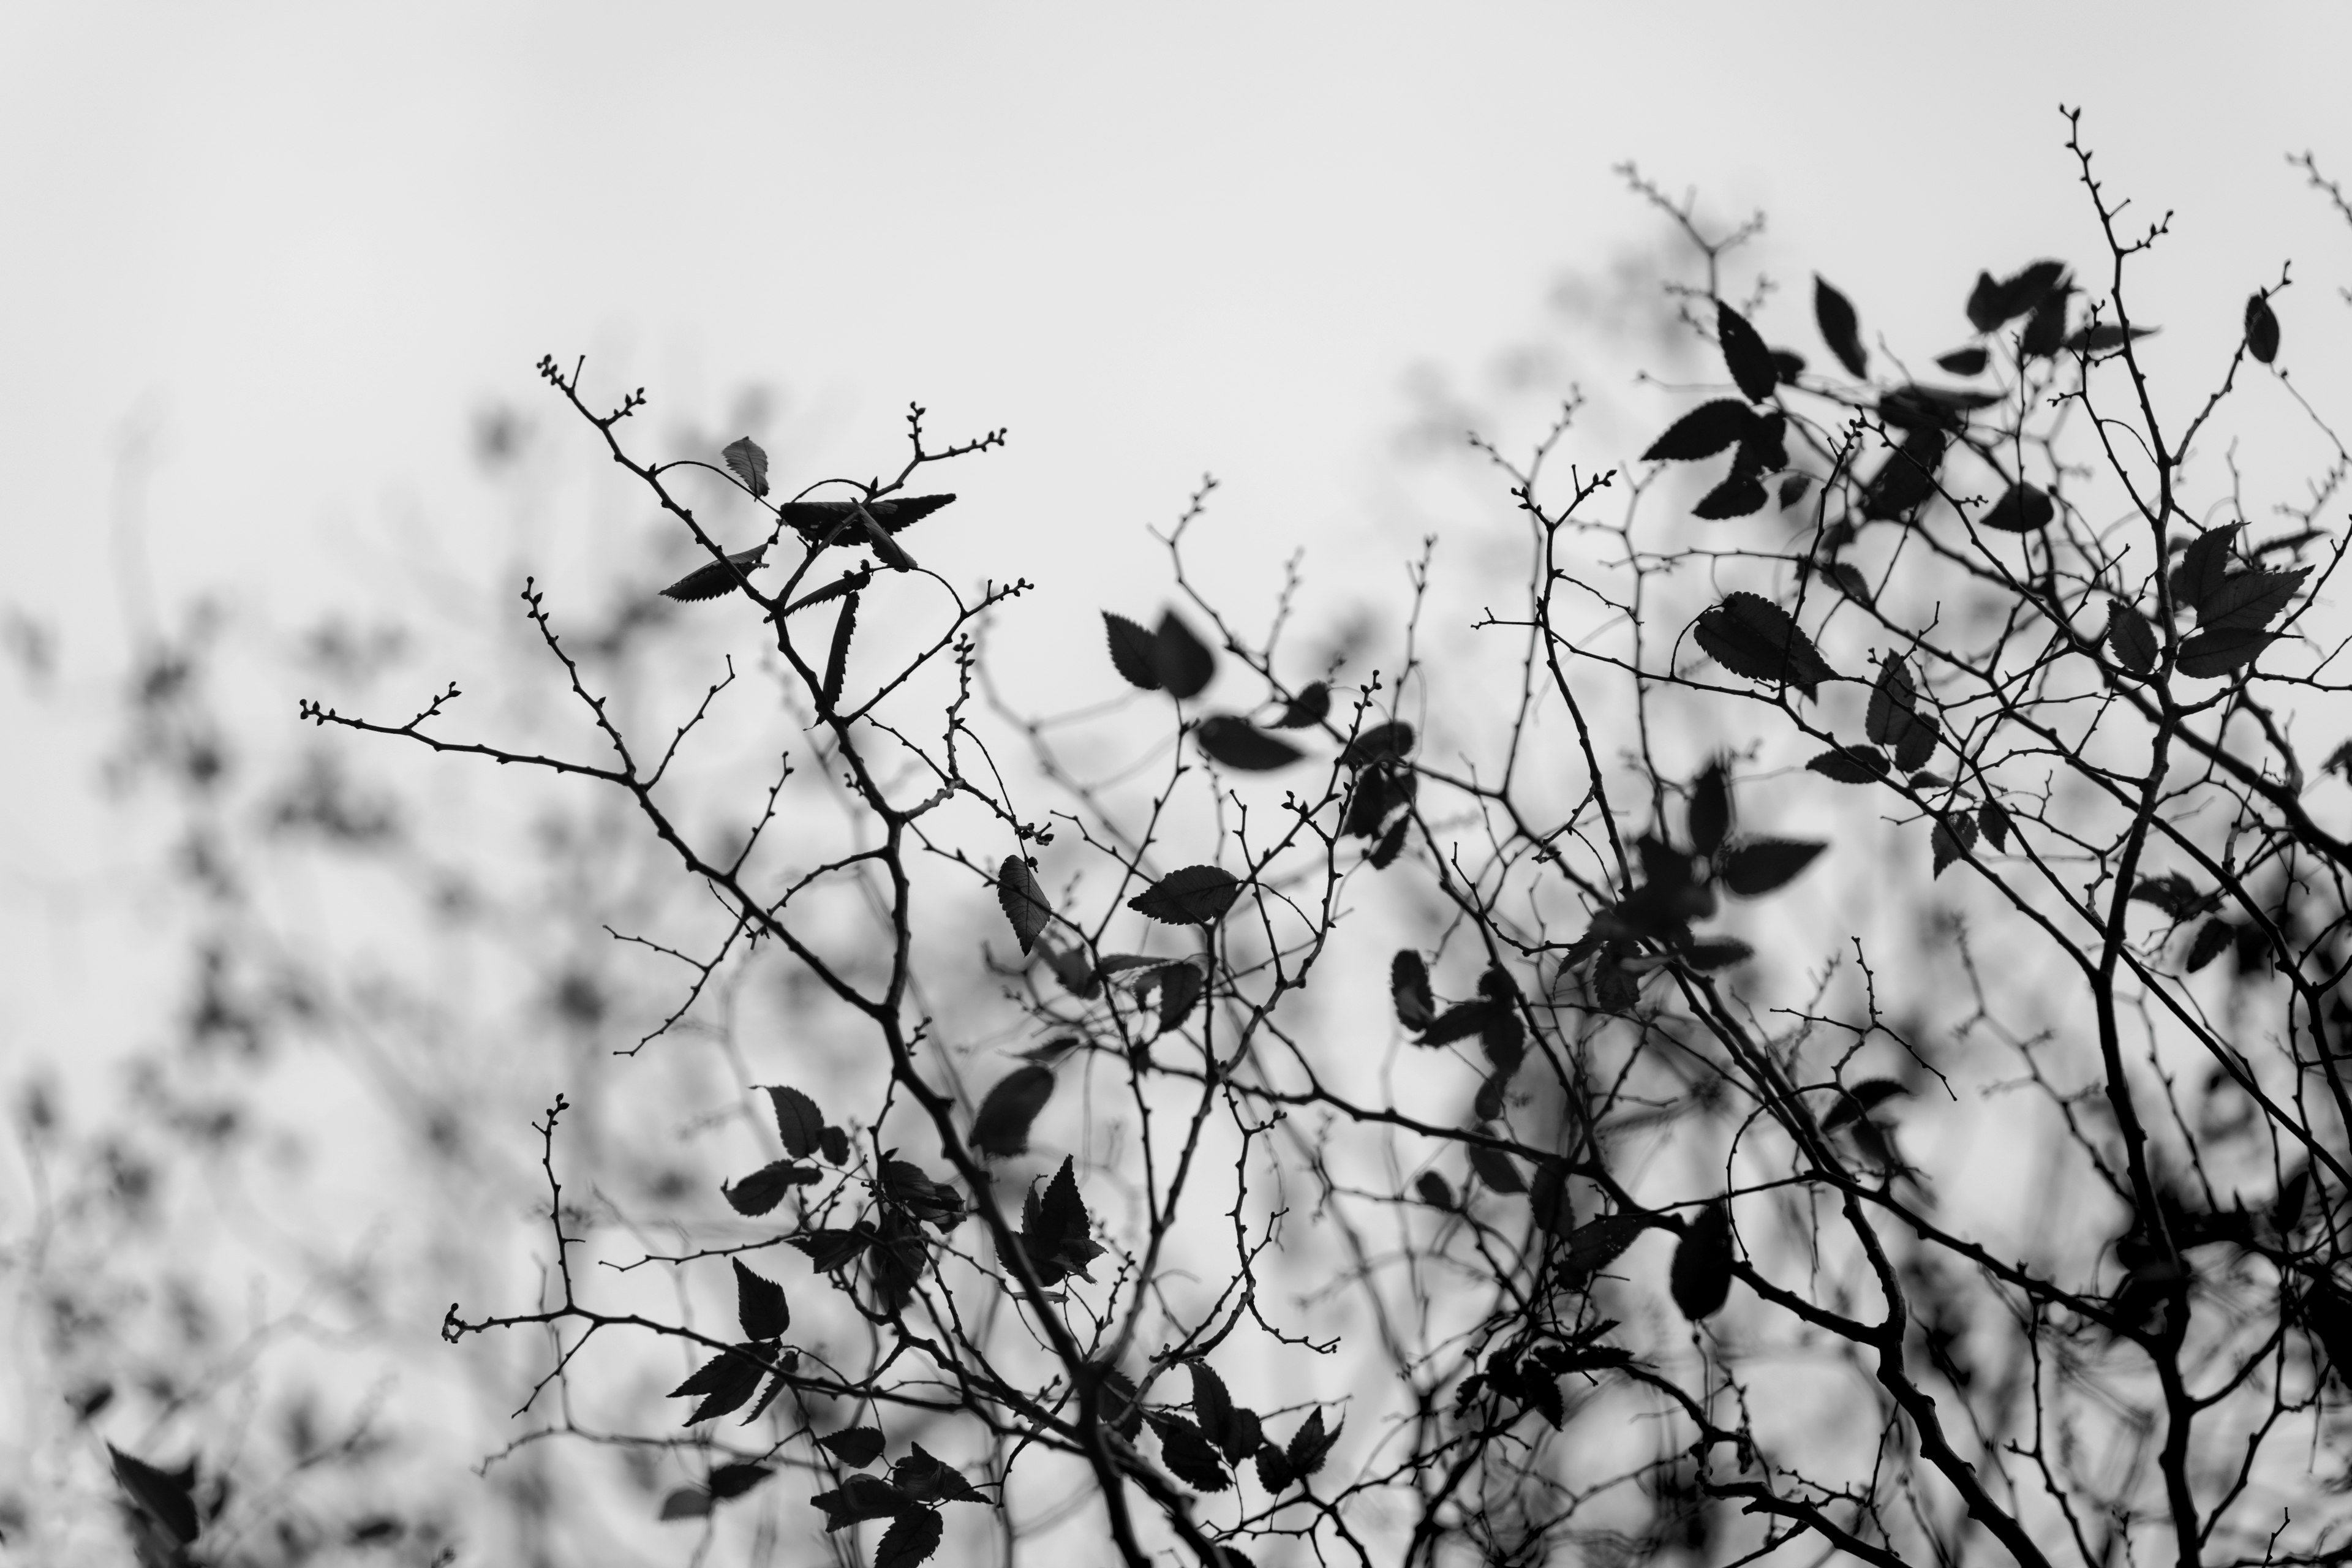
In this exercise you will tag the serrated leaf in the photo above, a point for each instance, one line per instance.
(1435, 1190)
(1311, 1445)
(2172, 892)
(164, 1496)
(1964, 362)
(1740, 496)
(1754, 637)
(798, 1121)
(2212, 939)
(847, 583)
(1787, 365)
(748, 463)
(764, 1188)
(1194, 895)
(2022, 508)
(1185, 664)
(1894, 702)
(1700, 1277)
(856, 1446)
(823, 522)
(1918, 743)
(2209, 656)
(2204, 567)
(836, 658)
(1416, 1006)
(1241, 745)
(1458, 1022)
(1023, 901)
(726, 1380)
(863, 1497)
(1381, 743)
(709, 581)
(1189, 1457)
(1181, 987)
(1072, 967)
(2249, 601)
(759, 1304)
(734, 1480)
(1311, 706)
(1593, 1246)
(1993, 304)
(833, 1144)
(1273, 1471)
(1841, 328)
(1496, 1169)
(1850, 764)
(1760, 865)
(1710, 807)
(929, 1479)
(1056, 1231)
(1952, 837)
(1131, 652)
(2261, 329)
(686, 1502)
(1744, 354)
(1000, 1127)
(911, 1538)
(786, 1362)
(2131, 638)
(1993, 819)
(1213, 1405)
(1710, 429)
(1391, 845)
(1850, 581)
(1907, 477)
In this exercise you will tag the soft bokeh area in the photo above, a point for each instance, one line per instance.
(277, 1009)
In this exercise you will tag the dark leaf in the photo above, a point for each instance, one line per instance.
(749, 463)
(2131, 638)
(1185, 664)
(847, 583)
(1993, 818)
(1917, 742)
(1744, 354)
(1738, 496)
(2286, 1212)
(1002, 1126)
(1241, 745)
(1496, 1169)
(1841, 328)
(864, 1497)
(907, 1187)
(163, 1495)
(726, 1380)
(823, 522)
(1964, 362)
(1549, 1200)
(834, 1143)
(1195, 895)
(1056, 1231)
(798, 1121)
(1850, 581)
(1416, 1006)
(2172, 892)
(2022, 508)
(1954, 834)
(1310, 1444)
(764, 1188)
(1391, 843)
(2045, 329)
(929, 1479)
(1189, 1457)
(734, 1480)
(759, 1304)
(1991, 304)
(1273, 1471)
(836, 658)
(1850, 764)
(1246, 1437)
(1787, 365)
(686, 1502)
(1593, 1246)
(2261, 329)
(1071, 966)
(1131, 652)
(1118, 1403)
(1894, 702)
(1023, 901)
(1710, 807)
(1435, 1190)
(1859, 1099)
(1710, 429)
(2248, 601)
(1760, 865)
(2204, 567)
(1311, 706)
(1793, 489)
(2212, 939)
(1907, 477)
(911, 1538)
(709, 581)
(785, 1361)
(1213, 1407)
(2104, 337)
(2209, 656)
(1505, 1039)
(1381, 743)
(1752, 637)
(1716, 953)
(1934, 408)
(1700, 1278)
(1458, 1023)
(1179, 986)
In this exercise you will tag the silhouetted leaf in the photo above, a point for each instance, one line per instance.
(1056, 1231)
(1710, 429)
(1738, 496)
(911, 1538)
(823, 523)
(1793, 489)
(1857, 1100)
(2209, 656)
(1118, 1404)
(1131, 652)
(2045, 329)
(1744, 354)
(1940, 409)
(847, 583)
(864, 1497)
(2104, 337)
(1311, 706)
(734, 1480)
(1458, 1023)
(1179, 986)
(798, 1121)
(1894, 702)
(2212, 939)
(759, 1304)
(1246, 1437)
(1495, 1169)
(1760, 865)
(1001, 1128)
(1416, 1006)
(748, 463)
(2172, 892)
(1213, 1407)
(1907, 477)
(726, 1380)
(2131, 638)
(1964, 362)
(1195, 895)
(2261, 329)
(716, 578)
(929, 1479)
(1391, 843)
(1850, 764)
(1435, 1190)
(1241, 745)
(2022, 508)
(836, 658)
(1071, 966)
(1716, 953)
(2204, 567)
(1991, 304)
(1381, 743)
(1310, 1444)
(1752, 637)
(1189, 1457)
(163, 1495)
(2339, 762)
(686, 1502)
(1185, 663)
(834, 1143)
(1023, 901)
(1993, 818)
(1954, 834)
(1700, 1278)
(1841, 328)
(2248, 601)
(1710, 807)
(1273, 1471)
(856, 1446)
(1787, 365)
(786, 1360)
(1917, 742)
(764, 1188)
(1593, 1246)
